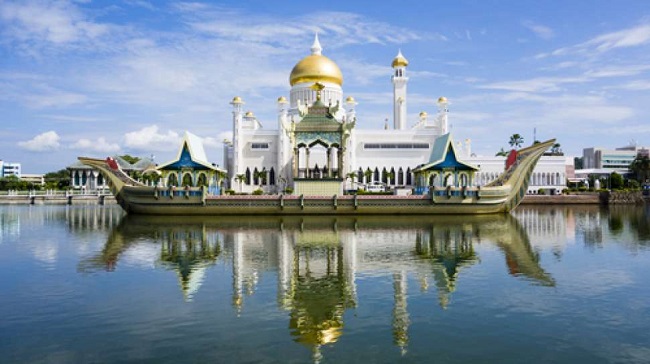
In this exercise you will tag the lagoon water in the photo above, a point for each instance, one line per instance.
(87, 284)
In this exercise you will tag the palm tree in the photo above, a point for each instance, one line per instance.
(390, 175)
(241, 178)
(516, 140)
(368, 175)
(260, 176)
(555, 149)
(501, 153)
(352, 176)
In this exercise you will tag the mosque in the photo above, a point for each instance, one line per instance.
(317, 149)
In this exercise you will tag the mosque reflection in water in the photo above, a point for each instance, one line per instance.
(317, 260)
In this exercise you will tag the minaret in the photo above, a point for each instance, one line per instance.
(237, 115)
(284, 148)
(442, 115)
(399, 91)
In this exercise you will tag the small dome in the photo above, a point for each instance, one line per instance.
(350, 99)
(249, 114)
(442, 99)
(423, 114)
(282, 100)
(400, 60)
(237, 100)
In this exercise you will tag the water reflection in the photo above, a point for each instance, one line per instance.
(318, 259)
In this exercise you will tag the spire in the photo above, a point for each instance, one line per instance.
(316, 49)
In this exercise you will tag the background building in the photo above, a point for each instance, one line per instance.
(9, 169)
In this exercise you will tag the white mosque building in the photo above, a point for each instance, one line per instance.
(316, 140)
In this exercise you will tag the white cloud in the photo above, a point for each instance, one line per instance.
(224, 135)
(638, 85)
(44, 142)
(56, 22)
(54, 98)
(99, 145)
(150, 139)
(540, 84)
(630, 37)
(541, 31)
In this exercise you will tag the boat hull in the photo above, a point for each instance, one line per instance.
(148, 201)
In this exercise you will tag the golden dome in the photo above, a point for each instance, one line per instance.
(282, 100)
(423, 114)
(249, 114)
(400, 60)
(316, 68)
(442, 99)
(350, 99)
(237, 100)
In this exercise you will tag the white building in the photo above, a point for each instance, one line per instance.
(316, 138)
(9, 169)
(617, 160)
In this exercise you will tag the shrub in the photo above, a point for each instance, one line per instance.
(258, 192)
(230, 192)
(288, 190)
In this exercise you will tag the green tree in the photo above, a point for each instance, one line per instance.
(516, 140)
(615, 181)
(241, 178)
(15, 183)
(641, 168)
(556, 149)
(352, 176)
(59, 180)
(129, 158)
(368, 175)
(501, 153)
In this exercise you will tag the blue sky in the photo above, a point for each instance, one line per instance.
(100, 78)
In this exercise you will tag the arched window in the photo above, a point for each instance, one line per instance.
(256, 177)
(384, 176)
(360, 175)
(400, 176)
(432, 180)
(172, 180)
(272, 177)
(84, 178)
(392, 176)
(76, 178)
(409, 179)
(100, 180)
(202, 181)
(187, 179)
(248, 176)
(376, 177)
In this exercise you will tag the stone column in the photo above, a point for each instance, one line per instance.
(329, 162)
(307, 171)
(341, 168)
(296, 161)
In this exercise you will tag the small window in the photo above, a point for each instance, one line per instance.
(396, 146)
(259, 145)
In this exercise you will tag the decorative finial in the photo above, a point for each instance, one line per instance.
(318, 87)
(316, 49)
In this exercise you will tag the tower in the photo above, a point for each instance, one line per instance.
(237, 116)
(399, 91)
(443, 123)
